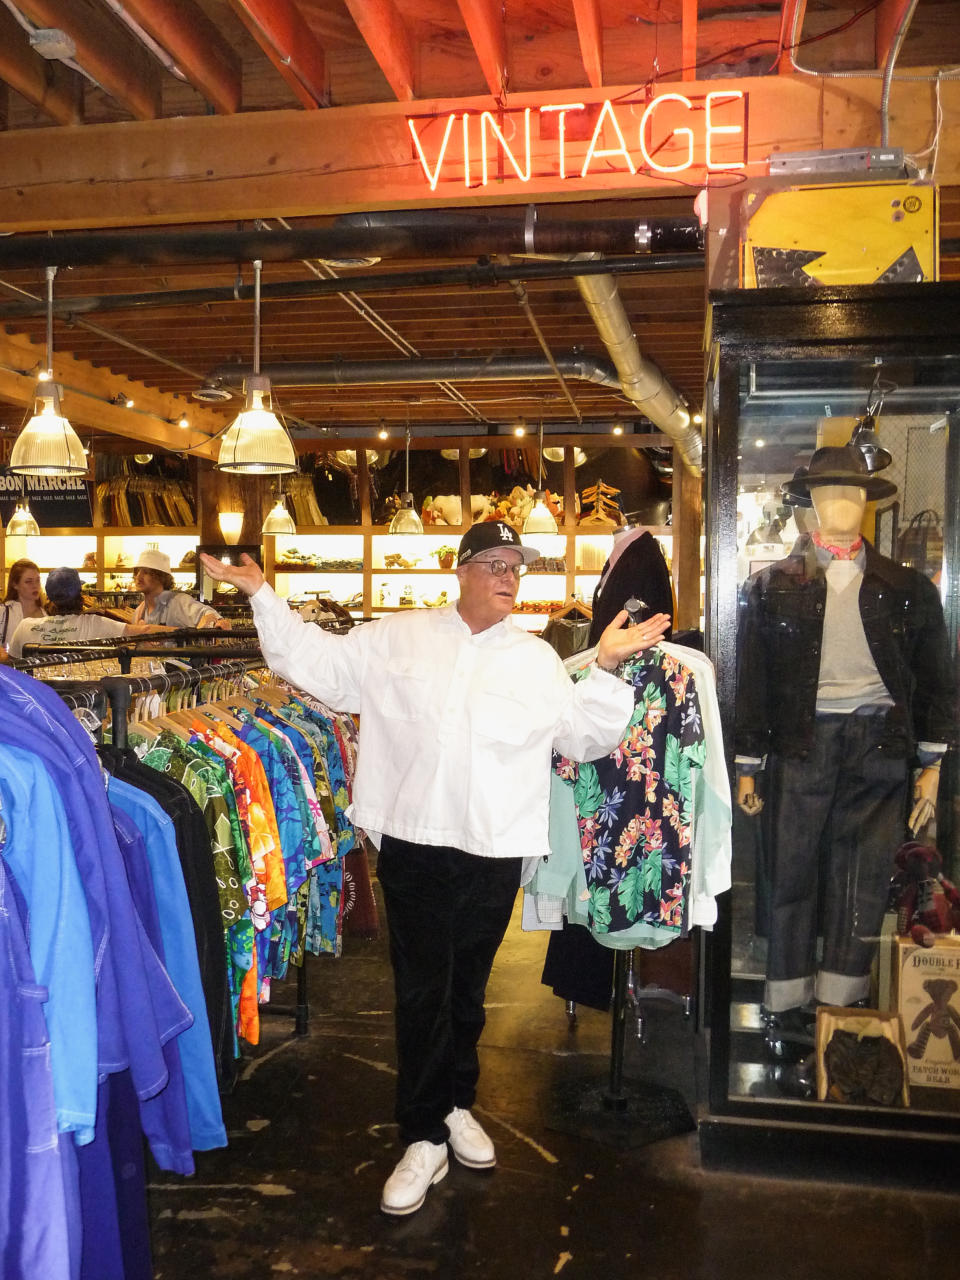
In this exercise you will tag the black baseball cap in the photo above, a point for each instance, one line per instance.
(493, 535)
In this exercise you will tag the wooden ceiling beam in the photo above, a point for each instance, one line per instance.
(688, 40)
(195, 45)
(106, 51)
(486, 28)
(590, 35)
(292, 163)
(888, 19)
(87, 394)
(386, 36)
(282, 33)
(51, 86)
(791, 24)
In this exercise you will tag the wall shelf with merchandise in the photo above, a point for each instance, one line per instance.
(373, 572)
(103, 556)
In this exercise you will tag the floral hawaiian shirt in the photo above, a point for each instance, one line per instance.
(634, 806)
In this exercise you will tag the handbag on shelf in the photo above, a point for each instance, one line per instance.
(920, 545)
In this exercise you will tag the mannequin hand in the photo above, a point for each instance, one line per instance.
(747, 799)
(925, 798)
(245, 576)
(619, 642)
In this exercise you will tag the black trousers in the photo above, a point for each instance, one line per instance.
(447, 912)
(837, 819)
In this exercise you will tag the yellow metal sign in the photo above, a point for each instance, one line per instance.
(862, 233)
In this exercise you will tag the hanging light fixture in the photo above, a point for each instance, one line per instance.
(48, 445)
(554, 453)
(406, 520)
(865, 438)
(22, 523)
(279, 519)
(541, 518)
(256, 443)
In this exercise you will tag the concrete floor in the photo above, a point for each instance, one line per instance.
(296, 1192)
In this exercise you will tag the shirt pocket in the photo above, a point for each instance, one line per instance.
(405, 694)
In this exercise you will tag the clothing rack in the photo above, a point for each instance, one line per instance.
(125, 649)
(118, 691)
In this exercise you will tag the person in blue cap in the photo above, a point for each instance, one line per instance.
(68, 619)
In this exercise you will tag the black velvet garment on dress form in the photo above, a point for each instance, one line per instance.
(577, 967)
(640, 571)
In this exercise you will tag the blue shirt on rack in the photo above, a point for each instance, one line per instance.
(180, 956)
(40, 856)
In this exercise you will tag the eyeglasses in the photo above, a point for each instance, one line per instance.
(499, 567)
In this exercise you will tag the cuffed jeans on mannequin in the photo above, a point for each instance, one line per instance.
(837, 819)
(447, 912)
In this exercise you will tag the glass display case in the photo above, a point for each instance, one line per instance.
(833, 616)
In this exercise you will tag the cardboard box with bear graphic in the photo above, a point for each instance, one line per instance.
(927, 987)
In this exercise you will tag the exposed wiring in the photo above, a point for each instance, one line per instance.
(934, 147)
(145, 38)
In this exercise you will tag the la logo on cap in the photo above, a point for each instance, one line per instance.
(506, 534)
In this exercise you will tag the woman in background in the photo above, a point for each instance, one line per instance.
(23, 599)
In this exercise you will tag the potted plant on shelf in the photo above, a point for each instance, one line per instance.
(445, 556)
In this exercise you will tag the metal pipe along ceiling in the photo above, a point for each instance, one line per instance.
(641, 380)
(419, 234)
(325, 373)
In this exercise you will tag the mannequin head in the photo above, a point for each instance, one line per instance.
(839, 509)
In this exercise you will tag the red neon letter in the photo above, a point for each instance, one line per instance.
(567, 106)
(644, 119)
(594, 150)
(730, 95)
(432, 178)
(487, 119)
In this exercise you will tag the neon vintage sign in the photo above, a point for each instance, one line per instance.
(670, 135)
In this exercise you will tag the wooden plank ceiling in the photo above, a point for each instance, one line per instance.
(66, 64)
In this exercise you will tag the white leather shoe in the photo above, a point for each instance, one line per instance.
(469, 1143)
(423, 1164)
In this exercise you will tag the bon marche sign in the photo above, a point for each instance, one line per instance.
(575, 143)
(56, 502)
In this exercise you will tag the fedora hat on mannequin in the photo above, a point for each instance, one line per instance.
(836, 465)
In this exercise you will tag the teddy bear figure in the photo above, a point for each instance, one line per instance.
(926, 902)
(937, 1019)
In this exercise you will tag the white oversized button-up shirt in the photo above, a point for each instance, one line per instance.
(456, 729)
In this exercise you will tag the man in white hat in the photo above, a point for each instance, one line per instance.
(161, 603)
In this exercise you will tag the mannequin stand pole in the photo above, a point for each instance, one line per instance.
(620, 1113)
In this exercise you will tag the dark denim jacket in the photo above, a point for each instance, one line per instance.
(778, 654)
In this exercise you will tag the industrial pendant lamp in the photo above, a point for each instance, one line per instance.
(406, 520)
(22, 523)
(541, 518)
(48, 445)
(279, 519)
(255, 443)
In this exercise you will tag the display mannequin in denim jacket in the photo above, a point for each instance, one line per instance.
(837, 768)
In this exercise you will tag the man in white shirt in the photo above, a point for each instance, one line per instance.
(459, 713)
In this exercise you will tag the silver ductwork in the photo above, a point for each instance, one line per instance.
(641, 380)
